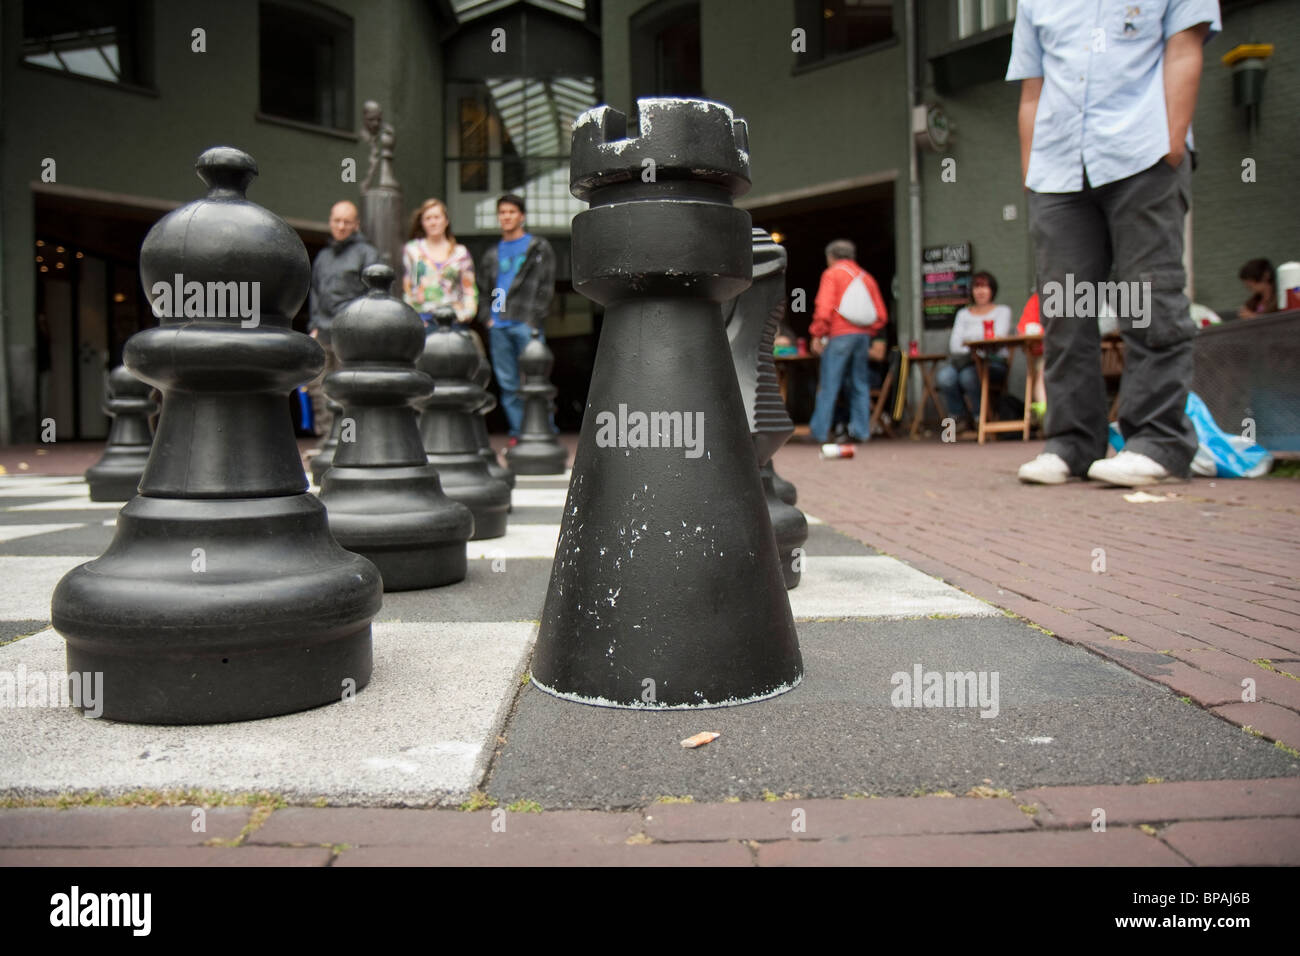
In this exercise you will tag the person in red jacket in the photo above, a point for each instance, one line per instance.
(844, 345)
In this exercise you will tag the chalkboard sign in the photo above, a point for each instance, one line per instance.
(945, 273)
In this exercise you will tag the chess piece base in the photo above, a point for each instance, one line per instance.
(116, 476)
(207, 611)
(537, 457)
(400, 519)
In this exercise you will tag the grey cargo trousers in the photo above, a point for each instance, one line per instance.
(1136, 226)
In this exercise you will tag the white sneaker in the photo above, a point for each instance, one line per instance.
(1047, 469)
(1128, 468)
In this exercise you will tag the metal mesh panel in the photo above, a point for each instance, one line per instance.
(1250, 369)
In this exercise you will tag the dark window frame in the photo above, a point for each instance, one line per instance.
(343, 27)
(816, 57)
(645, 27)
(144, 75)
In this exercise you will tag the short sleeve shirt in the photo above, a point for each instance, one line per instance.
(1102, 109)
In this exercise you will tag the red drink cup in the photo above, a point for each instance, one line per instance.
(988, 328)
(912, 349)
(802, 345)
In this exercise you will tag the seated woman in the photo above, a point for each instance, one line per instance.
(958, 376)
(1257, 276)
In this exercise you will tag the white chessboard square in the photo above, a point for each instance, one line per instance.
(420, 734)
(29, 582)
(539, 497)
(876, 586)
(525, 479)
(520, 541)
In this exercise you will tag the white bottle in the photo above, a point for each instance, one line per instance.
(1288, 280)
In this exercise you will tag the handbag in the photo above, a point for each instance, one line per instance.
(856, 304)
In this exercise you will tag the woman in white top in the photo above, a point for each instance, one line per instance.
(958, 376)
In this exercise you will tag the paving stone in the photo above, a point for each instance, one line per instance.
(532, 853)
(1156, 802)
(1118, 846)
(167, 856)
(825, 819)
(1274, 722)
(442, 829)
(117, 826)
(1206, 689)
(1269, 685)
(1260, 842)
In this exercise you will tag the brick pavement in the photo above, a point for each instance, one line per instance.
(1173, 824)
(1208, 579)
(1198, 592)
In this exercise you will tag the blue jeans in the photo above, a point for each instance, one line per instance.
(507, 344)
(844, 358)
(953, 384)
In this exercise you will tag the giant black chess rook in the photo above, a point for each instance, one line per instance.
(448, 426)
(223, 595)
(666, 590)
(383, 496)
(751, 326)
(538, 452)
(117, 474)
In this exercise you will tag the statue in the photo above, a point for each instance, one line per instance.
(381, 194)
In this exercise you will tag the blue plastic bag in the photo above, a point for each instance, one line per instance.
(1218, 454)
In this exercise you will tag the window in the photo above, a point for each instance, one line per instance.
(976, 16)
(836, 27)
(104, 40)
(665, 50)
(305, 64)
(513, 134)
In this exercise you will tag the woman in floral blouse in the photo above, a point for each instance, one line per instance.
(439, 271)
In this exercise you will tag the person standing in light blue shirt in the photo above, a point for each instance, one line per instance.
(1108, 88)
(517, 279)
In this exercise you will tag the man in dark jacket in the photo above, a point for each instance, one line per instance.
(335, 281)
(517, 283)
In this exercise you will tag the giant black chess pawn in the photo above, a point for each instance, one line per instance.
(448, 427)
(482, 376)
(223, 595)
(752, 319)
(538, 452)
(666, 590)
(116, 476)
(383, 496)
(321, 462)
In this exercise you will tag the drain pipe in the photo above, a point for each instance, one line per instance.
(913, 195)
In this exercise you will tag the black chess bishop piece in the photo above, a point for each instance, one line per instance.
(538, 452)
(117, 474)
(666, 589)
(448, 426)
(383, 497)
(223, 596)
(752, 320)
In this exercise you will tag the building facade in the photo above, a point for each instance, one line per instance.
(883, 121)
